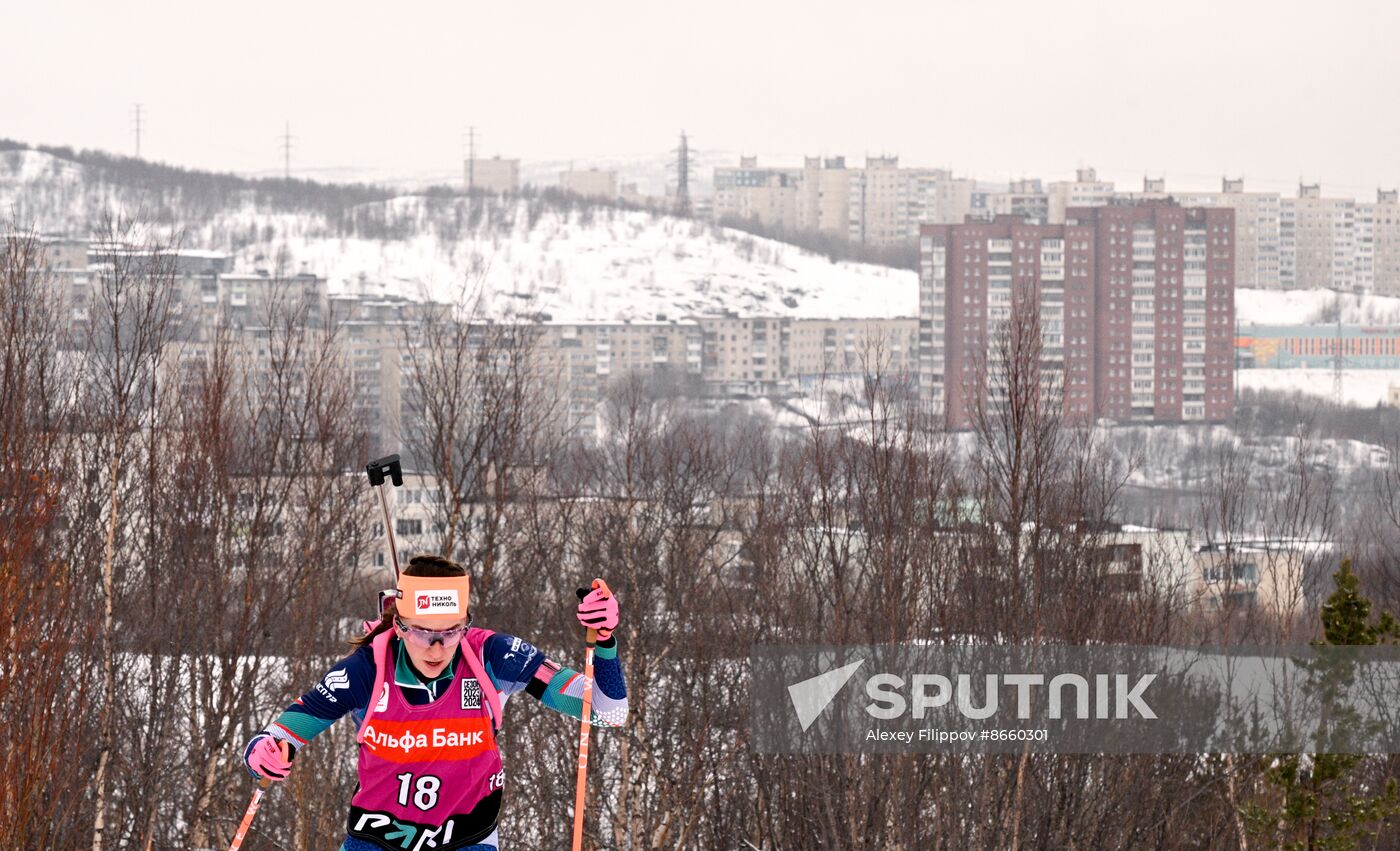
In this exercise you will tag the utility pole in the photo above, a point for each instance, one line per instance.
(683, 177)
(136, 123)
(286, 138)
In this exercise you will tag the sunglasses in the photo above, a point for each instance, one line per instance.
(428, 637)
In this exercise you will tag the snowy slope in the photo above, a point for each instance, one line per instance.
(520, 257)
(621, 265)
(1301, 307)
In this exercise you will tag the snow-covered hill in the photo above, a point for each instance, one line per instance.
(521, 256)
(612, 265)
(524, 256)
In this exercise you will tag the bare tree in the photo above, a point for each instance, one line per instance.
(482, 414)
(132, 318)
(47, 610)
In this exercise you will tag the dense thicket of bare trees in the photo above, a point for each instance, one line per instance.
(185, 542)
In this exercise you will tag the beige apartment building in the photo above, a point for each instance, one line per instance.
(1256, 229)
(62, 253)
(762, 355)
(1268, 576)
(492, 175)
(762, 194)
(1317, 240)
(1086, 190)
(753, 193)
(889, 203)
(824, 348)
(1025, 198)
(582, 358)
(824, 196)
(1378, 244)
(590, 183)
(879, 204)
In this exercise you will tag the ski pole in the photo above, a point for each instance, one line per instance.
(248, 816)
(581, 786)
(377, 470)
(253, 807)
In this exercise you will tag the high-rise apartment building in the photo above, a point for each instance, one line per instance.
(888, 203)
(880, 204)
(1026, 199)
(762, 194)
(1256, 230)
(824, 196)
(1086, 190)
(1378, 244)
(1317, 241)
(1135, 305)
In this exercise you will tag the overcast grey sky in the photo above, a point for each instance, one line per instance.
(1274, 91)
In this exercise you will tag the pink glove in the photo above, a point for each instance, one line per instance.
(265, 758)
(598, 610)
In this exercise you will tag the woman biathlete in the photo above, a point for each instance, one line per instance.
(427, 690)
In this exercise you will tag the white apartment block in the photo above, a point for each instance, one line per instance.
(825, 349)
(590, 183)
(1026, 198)
(888, 203)
(955, 200)
(1317, 241)
(879, 204)
(762, 194)
(1257, 235)
(1365, 236)
(491, 175)
(823, 196)
(582, 358)
(765, 355)
(1086, 190)
(1378, 244)
(1384, 219)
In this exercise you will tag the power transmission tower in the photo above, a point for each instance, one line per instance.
(1235, 371)
(286, 138)
(683, 177)
(1337, 353)
(136, 123)
(471, 158)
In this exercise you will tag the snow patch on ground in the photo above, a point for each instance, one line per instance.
(1360, 387)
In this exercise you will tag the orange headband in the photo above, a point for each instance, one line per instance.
(436, 599)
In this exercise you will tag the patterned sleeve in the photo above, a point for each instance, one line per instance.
(516, 665)
(346, 687)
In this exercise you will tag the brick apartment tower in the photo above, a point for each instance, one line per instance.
(1136, 308)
